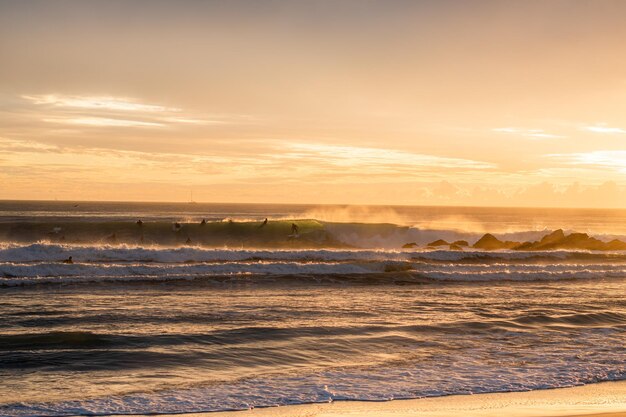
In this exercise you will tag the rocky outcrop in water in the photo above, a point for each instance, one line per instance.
(490, 242)
(438, 242)
(552, 241)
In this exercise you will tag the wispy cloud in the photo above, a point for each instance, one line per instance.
(352, 156)
(103, 121)
(600, 159)
(98, 103)
(190, 121)
(11, 145)
(603, 128)
(108, 111)
(528, 133)
(279, 161)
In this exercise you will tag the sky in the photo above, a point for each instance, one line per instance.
(482, 103)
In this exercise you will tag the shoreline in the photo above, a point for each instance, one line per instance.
(604, 399)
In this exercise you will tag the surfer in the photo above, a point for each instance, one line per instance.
(188, 241)
(176, 227)
(294, 229)
(203, 222)
(139, 223)
(68, 261)
(264, 223)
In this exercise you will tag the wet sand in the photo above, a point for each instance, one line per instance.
(605, 399)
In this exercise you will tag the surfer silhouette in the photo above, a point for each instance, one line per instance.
(264, 223)
(68, 261)
(203, 222)
(139, 223)
(294, 229)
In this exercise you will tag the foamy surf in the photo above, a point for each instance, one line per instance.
(42, 264)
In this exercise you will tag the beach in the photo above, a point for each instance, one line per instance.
(606, 399)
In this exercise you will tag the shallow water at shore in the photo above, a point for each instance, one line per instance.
(189, 347)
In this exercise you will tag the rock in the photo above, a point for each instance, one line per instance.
(526, 246)
(460, 243)
(455, 247)
(558, 240)
(616, 244)
(409, 245)
(579, 241)
(490, 242)
(553, 237)
(438, 242)
(547, 241)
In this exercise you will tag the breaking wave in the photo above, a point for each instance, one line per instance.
(243, 234)
(42, 263)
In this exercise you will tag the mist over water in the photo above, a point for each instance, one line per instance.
(466, 219)
(248, 316)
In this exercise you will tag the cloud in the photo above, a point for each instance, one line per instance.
(14, 146)
(98, 103)
(190, 121)
(277, 161)
(108, 111)
(603, 128)
(103, 121)
(353, 156)
(529, 133)
(600, 159)
(328, 172)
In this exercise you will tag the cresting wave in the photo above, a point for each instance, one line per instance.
(42, 263)
(277, 234)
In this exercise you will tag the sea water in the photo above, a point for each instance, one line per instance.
(243, 315)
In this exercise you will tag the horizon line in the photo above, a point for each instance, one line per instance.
(3, 200)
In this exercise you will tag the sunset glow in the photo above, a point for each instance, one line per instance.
(318, 102)
(321, 208)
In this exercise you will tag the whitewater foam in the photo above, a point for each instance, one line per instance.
(42, 263)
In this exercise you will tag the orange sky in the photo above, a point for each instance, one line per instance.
(378, 102)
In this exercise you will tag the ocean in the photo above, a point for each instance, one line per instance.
(175, 315)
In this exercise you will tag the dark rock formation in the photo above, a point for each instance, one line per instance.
(553, 237)
(490, 242)
(438, 242)
(616, 245)
(552, 241)
(558, 240)
(409, 245)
